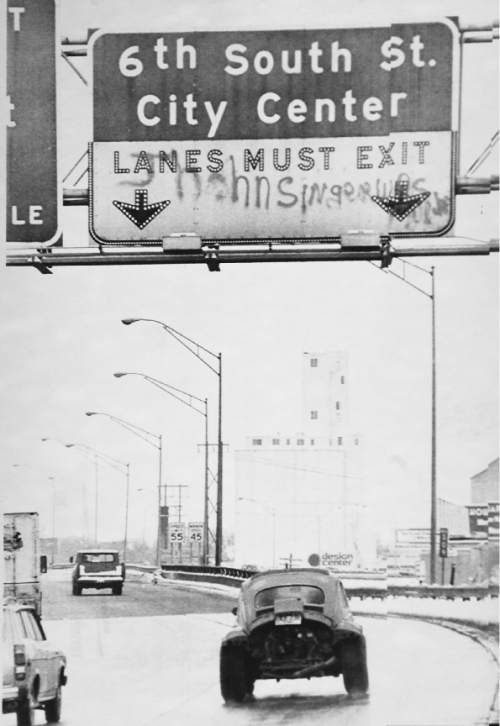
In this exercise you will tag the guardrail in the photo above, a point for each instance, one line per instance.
(235, 576)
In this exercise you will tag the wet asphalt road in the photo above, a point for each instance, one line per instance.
(150, 658)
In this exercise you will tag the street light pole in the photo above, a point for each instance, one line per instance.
(433, 513)
(187, 399)
(142, 434)
(433, 437)
(115, 464)
(218, 529)
(199, 351)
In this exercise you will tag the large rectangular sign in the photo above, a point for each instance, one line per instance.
(274, 134)
(33, 196)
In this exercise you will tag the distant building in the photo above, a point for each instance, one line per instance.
(455, 517)
(484, 485)
(302, 493)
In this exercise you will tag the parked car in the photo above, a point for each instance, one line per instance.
(293, 623)
(98, 569)
(34, 671)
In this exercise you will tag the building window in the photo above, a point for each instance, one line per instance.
(342, 379)
(356, 442)
(314, 415)
(312, 442)
(314, 362)
(300, 442)
(276, 442)
(257, 442)
(339, 440)
(337, 405)
(288, 442)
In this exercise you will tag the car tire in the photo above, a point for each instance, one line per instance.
(234, 684)
(77, 590)
(25, 712)
(53, 707)
(354, 670)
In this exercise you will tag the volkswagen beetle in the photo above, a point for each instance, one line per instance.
(293, 623)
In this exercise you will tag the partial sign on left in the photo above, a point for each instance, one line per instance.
(33, 193)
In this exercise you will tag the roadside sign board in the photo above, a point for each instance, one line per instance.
(33, 196)
(298, 134)
(443, 542)
(195, 532)
(177, 533)
(414, 536)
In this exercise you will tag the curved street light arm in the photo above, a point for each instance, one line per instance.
(191, 345)
(106, 458)
(133, 428)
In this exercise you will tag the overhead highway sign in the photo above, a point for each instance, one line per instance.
(279, 134)
(33, 197)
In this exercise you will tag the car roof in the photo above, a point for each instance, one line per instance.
(294, 575)
(97, 552)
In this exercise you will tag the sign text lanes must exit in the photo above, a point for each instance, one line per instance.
(274, 134)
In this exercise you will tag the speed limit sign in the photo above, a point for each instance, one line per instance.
(195, 530)
(176, 534)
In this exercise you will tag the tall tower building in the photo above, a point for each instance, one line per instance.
(325, 402)
(302, 492)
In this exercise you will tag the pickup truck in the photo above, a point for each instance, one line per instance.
(34, 670)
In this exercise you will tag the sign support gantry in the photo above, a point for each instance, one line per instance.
(213, 254)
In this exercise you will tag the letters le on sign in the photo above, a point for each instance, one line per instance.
(274, 134)
(33, 197)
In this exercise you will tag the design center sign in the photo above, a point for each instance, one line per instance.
(274, 134)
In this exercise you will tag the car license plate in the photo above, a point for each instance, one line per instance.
(295, 619)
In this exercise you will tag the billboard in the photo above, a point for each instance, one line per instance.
(279, 134)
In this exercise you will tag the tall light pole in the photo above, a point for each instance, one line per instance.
(202, 353)
(114, 464)
(150, 438)
(187, 399)
(432, 298)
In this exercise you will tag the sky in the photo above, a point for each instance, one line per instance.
(61, 337)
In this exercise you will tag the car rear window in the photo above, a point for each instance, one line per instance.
(99, 557)
(307, 593)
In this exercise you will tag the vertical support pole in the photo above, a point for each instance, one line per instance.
(125, 535)
(96, 502)
(218, 531)
(433, 439)
(158, 537)
(205, 496)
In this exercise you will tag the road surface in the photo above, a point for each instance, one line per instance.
(150, 658)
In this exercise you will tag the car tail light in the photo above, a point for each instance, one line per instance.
(82, 570)
(19, 662)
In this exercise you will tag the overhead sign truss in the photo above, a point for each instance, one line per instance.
(278, 134)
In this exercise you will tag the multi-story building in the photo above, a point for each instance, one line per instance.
(484, 485)
(302, 493)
